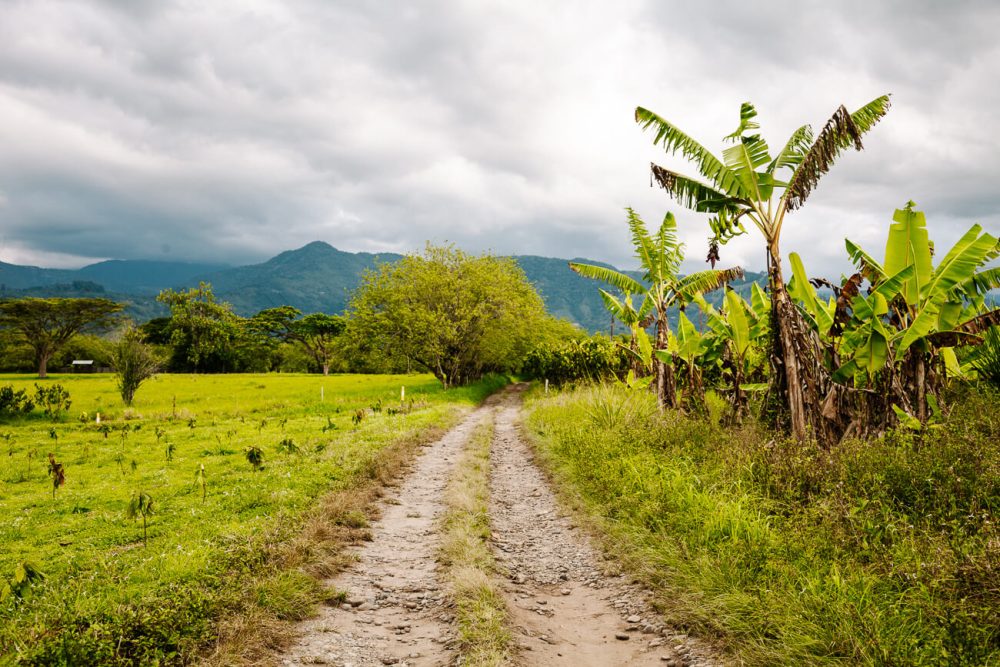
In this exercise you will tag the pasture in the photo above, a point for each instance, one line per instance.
(232, 465)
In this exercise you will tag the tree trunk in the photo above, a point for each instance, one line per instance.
(326, 369)
(921, 379)
(663, 373)
(43, 365)
(784, 359)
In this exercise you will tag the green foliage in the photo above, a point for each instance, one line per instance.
(46, 325)
(52, 399)
(876, 552)
(458, 316)
(205, 334)
(15, 402)
(595, 358)
(140, 505)
(317, 333)
(986, 360)
(134, 362)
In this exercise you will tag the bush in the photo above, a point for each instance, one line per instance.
(134, 362)
(594, 358)
(13, 403)
(52, 399)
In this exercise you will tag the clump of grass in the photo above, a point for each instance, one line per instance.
(480, 610)
(872, 552)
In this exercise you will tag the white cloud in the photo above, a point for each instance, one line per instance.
(233, 130)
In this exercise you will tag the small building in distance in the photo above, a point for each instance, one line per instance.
(83, 366)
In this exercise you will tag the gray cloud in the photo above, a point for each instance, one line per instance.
(231, 131)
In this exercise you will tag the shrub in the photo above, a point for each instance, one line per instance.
(14, 403)
(134, 362)
(52, 399)
(594, 358)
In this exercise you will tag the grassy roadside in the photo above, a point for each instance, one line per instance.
(480, 610)
(221, 575)
(879, 553)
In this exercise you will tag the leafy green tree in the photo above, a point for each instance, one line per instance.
(205, 333)
(457, 315)
(134, 362)
(46, 325)
(660, 256)
(747, 185)
(317, 333)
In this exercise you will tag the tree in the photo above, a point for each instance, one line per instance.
(205, 333)
(134, 362)
(317, 333)
(46, 325)
(457, 315)
(660, 256)
(744, 185)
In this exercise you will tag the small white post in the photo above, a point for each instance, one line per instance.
(546, 385)
(98, 417)
(322, 396)
(402, 394)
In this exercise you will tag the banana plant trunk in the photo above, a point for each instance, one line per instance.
(666, 384)
(786, 347)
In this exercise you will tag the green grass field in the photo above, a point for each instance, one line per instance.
(107, 597)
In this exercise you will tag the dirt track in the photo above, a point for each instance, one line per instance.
(565, 610)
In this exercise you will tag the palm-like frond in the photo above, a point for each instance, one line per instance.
(673, 140)
(610, 276)
(867, 265)
(707, 281)
(793, 152)
(840, 132)
(967, 333)
(688, 192)
(744, 159)
(645, 248)
(982, 282)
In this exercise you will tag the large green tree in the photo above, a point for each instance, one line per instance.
(46, 325)
(748, 184)
(205, 334)
(316, 333)
(457, 315)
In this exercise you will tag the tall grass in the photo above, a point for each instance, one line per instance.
(883, 553)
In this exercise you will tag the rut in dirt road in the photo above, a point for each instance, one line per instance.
(396, 611)
(564, 609)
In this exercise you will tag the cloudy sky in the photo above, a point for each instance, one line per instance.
(230, 131)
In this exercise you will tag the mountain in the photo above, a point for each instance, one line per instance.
(315, 277)
(143, 276)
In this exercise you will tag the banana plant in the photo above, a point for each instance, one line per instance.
(917, 313)
(740, 329)
(749, 184)
(660, 255)
(635, 319)
(687, 346)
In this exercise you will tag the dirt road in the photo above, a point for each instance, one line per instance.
(564, 608)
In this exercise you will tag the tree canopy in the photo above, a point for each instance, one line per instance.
(457, 315)
(46, 325)
(317, 333)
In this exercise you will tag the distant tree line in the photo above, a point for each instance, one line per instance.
(455, 315)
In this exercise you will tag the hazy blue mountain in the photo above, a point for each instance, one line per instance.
(144, 276)
(315, 277)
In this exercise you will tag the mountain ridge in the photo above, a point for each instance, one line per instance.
(314, 278)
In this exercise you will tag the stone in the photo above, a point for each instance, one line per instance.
(633, 619)
(621, 636)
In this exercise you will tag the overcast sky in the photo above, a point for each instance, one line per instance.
(230, 131)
